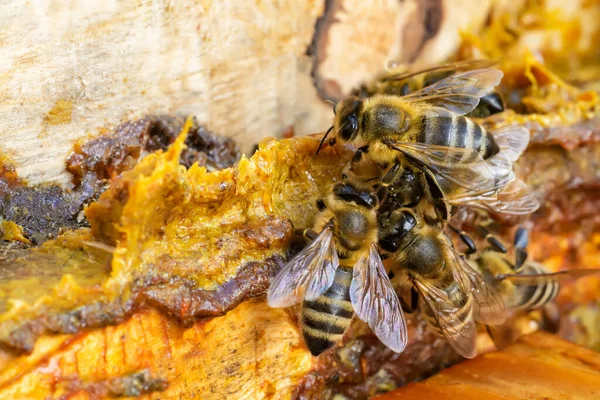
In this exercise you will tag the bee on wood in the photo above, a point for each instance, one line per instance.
(340, 273)
(455, 295)
(456, 160)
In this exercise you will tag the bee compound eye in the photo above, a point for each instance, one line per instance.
(408, 222)
(349, 127)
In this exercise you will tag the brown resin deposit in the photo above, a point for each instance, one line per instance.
(43, 210)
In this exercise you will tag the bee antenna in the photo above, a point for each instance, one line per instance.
(333, 104)
(324, 138)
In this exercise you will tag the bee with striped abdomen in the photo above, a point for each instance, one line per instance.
(340, 273)
(427, 133)
(454, 293)
(400, 81)
(524, 285)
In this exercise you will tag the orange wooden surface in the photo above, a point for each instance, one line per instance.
(538, 366)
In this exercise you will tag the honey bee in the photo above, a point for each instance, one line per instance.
(399, 81)
(456, 160)
(340, 273)
(524, 285)
(455, 294)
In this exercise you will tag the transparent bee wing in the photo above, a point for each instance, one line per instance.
(512, 141)
(457, 94)
(454, 320)
(514, 199)
(307, 275)
(457, 66)
(543, 278)
(460, 277)
(489, 306)
(376, 303)
(463, 167)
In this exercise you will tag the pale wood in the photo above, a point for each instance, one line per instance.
(103, 62)
(70, 70)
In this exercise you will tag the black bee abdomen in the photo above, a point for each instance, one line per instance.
(318, 345)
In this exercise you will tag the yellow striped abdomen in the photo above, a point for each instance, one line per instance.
(325, 319)
(538, 295)
(460, 132)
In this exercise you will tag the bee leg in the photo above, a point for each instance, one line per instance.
(520, 242)
(310, 234)
(358, 156)
(466, 239)
(409, 303)
(387, 180)
(496, 244)
(435, 195)
(390, 175)
(306, 233)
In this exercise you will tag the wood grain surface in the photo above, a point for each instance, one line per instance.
(73, 70)
(538, 366)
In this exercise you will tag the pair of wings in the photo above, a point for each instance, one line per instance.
(457, 321)
(481, 180)
(311, 272)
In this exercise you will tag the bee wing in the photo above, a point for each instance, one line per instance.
(489, 306)
(514, 199)
(453, 66)
(307, 275)
(454, 320)
(543, 278)
(475, 175)
(376, 303)
(512, 141)
(457, 94)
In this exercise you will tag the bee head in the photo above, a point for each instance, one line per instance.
(347, 118)
(345, 123)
